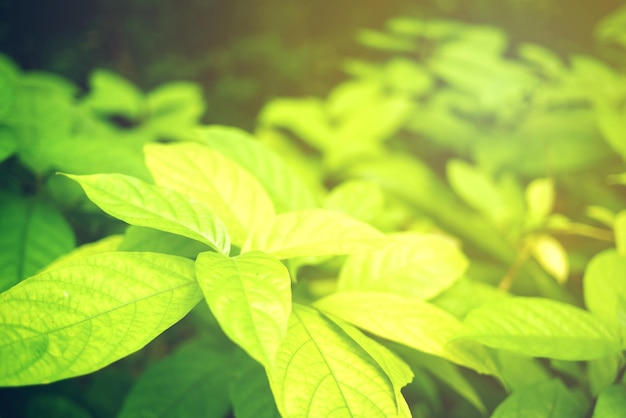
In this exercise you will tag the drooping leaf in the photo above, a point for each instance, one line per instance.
(611, 402)
(191, 382)
(287, 190)
(84, 315)
(142, 204)
(312, 232)
(551, 256)
(250, 296)
(205, 175)
(321, 371)
(545, 399)
(604, 286)
(408, 321)
(250, 391)
(33, 235)
(138, 238)
(421, 266)
(539, 327)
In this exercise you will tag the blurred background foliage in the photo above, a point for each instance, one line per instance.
(498, 122)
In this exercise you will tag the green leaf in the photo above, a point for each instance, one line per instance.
(520, 371)
(420, 266)
(551, 255)
(287, 190)
(105, 245)
(604, 286)
(250, 296)
(191, 382)
(359, 199)
(408, 321)
(611, 402)
(84, 315)
(539, 200)
(250, 391)
(206, 176)
(386, 42)
(33, 235)
(312, 232)
(8, 143)
(112, 94)
(142, 204)
(545, 399)
(611, 124)
(539, 327)
(142, 239)
(477, 189)
(602, 372)
(173, 107)
(51, 406)
(321, 371)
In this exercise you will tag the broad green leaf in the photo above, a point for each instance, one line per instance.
(611, 402)
(551, 256)
(105, 245)
(539, 327)
(312, 232)
(420, 266)
(604, 286)
(359, 199)
(112, 94)
(33, 235)
(386, 42)
(206, 176)
(465, 295)
(408, 321)
(287, 190)
(539, 201)
(84, 315)
(142, 239)
(250, 391)
(545, 399)
(321, 371)
(476, 188)
(142, 204)
(620, 233)
(398, 371)
(174, 106)
(191, 382)
(250, 296)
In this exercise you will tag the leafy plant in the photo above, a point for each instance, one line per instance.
(347, 277)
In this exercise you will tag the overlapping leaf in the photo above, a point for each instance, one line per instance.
(142, 204)
(312, 232)
(408, 321)
(545, 399)
(33, 235)
(191, 382)
(250, 296)
(417, 265)
(250, 391)
(85, 314)
(287, 190)
(539, 327)
(321, 371)
(206, 176)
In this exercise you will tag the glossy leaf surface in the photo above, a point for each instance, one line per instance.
(540, 328)
(250, 296)
(206, 176)
(88, 313)
(321, 371)
(142, 204)
(312, 232)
